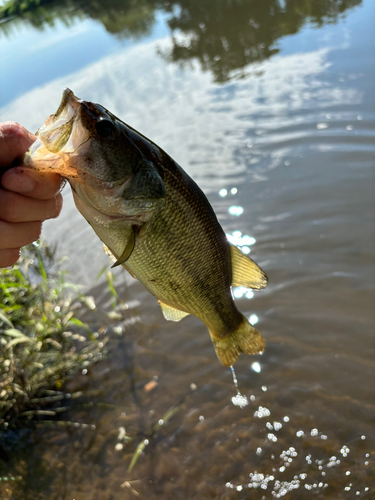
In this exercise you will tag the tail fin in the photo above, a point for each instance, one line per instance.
(245, 339)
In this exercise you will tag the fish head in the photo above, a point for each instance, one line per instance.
(112, 172)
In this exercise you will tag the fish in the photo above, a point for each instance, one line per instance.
(152, 218)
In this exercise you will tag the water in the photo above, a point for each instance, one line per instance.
(269, 106)
(239, 399)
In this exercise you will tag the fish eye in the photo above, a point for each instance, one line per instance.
(105, 128)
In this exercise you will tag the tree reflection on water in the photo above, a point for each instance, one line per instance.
(224, 36)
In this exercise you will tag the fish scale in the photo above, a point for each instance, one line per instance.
(198, 280)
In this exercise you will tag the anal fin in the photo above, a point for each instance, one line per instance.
(170, 313)
(245, 272)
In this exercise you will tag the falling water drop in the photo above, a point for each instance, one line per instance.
(238, 400)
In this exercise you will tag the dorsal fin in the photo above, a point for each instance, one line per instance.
(128, 249)
(170, 313)
(245, 272)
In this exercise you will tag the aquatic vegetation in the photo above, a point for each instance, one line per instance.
(42, 340)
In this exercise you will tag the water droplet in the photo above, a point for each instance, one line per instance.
(264, 388)
(286, 418)
(234, 191)
(321, 126)
(262, 412)
(239, 399)
(344, 451)
(349, 127)
(245, 250)
(223, 193)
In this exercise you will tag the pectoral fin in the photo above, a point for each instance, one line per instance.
(170, 313)
(245, 272)
(128, 249)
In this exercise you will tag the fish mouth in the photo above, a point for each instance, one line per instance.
(64, 143)
(58, 138)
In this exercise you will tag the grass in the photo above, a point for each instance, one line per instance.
(43, 342)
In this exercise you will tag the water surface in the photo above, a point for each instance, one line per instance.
(269, 106)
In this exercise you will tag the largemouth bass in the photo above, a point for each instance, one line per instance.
(152, 218)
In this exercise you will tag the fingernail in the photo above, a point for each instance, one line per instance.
(19, 182)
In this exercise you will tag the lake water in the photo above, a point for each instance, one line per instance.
(270, 107)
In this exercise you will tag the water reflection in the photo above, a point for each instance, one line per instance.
(222, 37)
(123, 19)
(230, 36)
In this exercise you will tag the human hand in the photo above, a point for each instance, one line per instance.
(27, 197)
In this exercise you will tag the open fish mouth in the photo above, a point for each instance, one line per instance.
(61, 136)
(69, 144)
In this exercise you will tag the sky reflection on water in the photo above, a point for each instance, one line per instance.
(281, 139)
